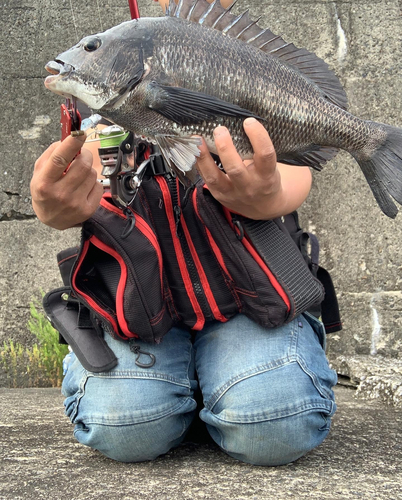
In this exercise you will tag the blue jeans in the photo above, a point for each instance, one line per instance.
(266, 392)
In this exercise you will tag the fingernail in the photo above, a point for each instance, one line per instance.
(249, 121)
(220, 130)
(77, 133)
(81, 136)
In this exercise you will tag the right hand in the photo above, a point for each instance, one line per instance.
(63, 199)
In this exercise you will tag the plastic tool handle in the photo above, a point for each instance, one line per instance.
(69, 122)
(135, 13)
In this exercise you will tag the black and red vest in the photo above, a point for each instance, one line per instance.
(190, 263)
(179, 257)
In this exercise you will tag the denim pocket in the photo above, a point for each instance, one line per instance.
(326, 422)
(311, 345)
(318, 328)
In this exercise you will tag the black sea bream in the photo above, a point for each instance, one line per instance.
(200, 66)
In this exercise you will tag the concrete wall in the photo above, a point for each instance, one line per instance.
(361, 40)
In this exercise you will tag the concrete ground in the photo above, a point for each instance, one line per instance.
(361, 459)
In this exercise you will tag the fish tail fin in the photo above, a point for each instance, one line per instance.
(382, 166)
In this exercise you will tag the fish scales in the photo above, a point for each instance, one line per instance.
(170, 78)
(225, 66)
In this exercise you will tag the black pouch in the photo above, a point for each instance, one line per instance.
(121, 278)
(271, 276)
(75, 323)
(86, 340)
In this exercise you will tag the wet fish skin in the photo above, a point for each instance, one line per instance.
(309, 119)
(229, 80)
(152, 74)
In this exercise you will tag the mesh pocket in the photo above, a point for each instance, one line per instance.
(100, 272)
(121, 280)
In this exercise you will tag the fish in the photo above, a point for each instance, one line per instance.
(179, 76)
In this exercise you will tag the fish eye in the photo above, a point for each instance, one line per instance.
(92, 44)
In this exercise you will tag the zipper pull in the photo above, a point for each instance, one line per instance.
(238, 228)
(129, 224)
(187, 195)
(177, 216)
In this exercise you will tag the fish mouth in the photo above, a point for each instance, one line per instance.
(58, 69)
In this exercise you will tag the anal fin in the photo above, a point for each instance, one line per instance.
(315, 157)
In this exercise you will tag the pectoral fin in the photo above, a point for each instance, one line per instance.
(187, 107)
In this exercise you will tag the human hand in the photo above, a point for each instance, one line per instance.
(60, 198)
(259, 188)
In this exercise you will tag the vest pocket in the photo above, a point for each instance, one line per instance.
(89, 281)
(123, 285)
(261, 296)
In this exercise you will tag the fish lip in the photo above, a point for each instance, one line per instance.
(53, 68)
(59, 68)
(58, 71)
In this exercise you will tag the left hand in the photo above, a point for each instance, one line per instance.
(258, 188)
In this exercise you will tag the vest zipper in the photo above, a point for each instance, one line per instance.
(195, 279)
(192, 271)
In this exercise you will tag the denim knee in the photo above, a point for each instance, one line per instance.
(137, 442)
(134, 413)
(272, 417)
(126, 415)
(272, 442)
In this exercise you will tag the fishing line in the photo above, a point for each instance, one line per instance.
(73, 19)
(99, 13)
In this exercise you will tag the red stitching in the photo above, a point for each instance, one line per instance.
(159, 317)
(67, 258)
(246, 292)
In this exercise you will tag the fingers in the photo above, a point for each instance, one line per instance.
(264, 152)
(230, 158)
(79, 171)
(45, 156)
(251, 187)
(235, 169)
(56, 160)
(94, 196)
(63, 199)
(212, 175)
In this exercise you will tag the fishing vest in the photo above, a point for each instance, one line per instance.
(180, 257)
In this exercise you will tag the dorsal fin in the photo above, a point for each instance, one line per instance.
(243, 28)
